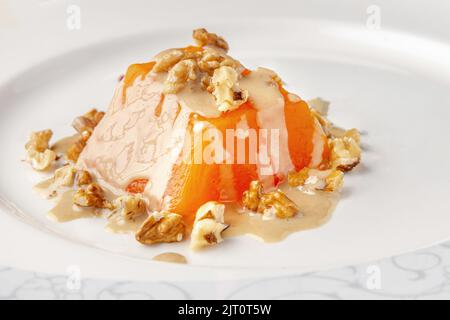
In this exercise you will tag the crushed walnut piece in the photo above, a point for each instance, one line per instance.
(208, 226)
(84, 125)
(160, 227)
(252, 196)
(38, 153)
(83, 177)
(74, 150)
(226, 91)
(167, 60)
(88, 121)
(275, 202)
(91, 196)
(39, 140)
(345, 151)
(65, 176)
(179, 75)
(130, 207)
(278, 203)
(313, 179)
(205, 38)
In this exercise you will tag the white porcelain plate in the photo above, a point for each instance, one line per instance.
(385, 77)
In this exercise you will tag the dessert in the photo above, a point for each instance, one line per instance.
(195, 145)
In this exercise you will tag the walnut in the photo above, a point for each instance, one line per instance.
(92, 196)
(38, 153)
(65, 176)
(208, 225)
(83, 178)
(210, 61)
(74, 150)
(204, 38)
(41, 160)
(179, 75)
(275, 202)
(88, 121)
(167, 60)
(130, 207)
(252, 196)
(39, 140)
(211, 210)
(161, 227)
(334, 181)
(345, 151)
(313, 179)
(226, 92)
(278, 203)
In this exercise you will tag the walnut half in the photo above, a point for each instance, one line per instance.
(160, 227)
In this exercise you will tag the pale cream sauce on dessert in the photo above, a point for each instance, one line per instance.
(171, 257)
(315, 210)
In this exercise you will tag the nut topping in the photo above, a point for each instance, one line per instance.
(345, 151)
(252, 196)
(179, 75)
(208, 225)
(275, 202)
(226, 90)
(92, 196)
(161, 226)
(130, 206)
(88, 121)
(313, 179)
(38, 153)
(204, 38)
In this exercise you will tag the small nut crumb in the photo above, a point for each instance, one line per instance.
(83, 177)
(226, 91)
(313, 179)
(130, 207)
(92, 196)
(208, 225)
(167, 60)
(179, 75)
(204, 38)
(345, 151)
(161, 227)
(64, 176)
(41, 160)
